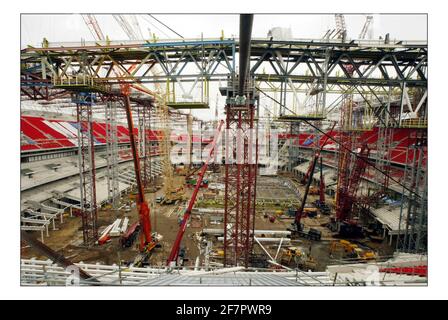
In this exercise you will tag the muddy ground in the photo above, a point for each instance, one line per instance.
(67, 239)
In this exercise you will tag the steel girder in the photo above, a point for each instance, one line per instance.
(144, 143)
(240, 185)
(87, 171)
(379, 68)
(112, 153)
(362, 68)
(374, 64)
(413, 222)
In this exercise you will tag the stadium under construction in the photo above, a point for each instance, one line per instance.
(228, 161)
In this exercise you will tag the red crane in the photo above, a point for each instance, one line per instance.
(299, 212)
(317, 155)
(322, 184)
(175, 249)
(146, 241)
(308, 179)
(347, 191)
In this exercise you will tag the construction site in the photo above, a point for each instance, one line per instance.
(237, 160)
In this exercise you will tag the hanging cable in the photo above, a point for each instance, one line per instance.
(165, 25)
(154, 26)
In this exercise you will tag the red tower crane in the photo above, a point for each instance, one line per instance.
(175, 250)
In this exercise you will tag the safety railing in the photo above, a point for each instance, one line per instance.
(82, 81)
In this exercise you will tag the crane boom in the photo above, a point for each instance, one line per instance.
(347, 192)
(341, 29)
(126, 26)
(308, 178)
(365, 28)
(146, 242)
(93, 26)
(98, 35)
(317, 154)
(321, 184)
(299, 212)
(175, 250)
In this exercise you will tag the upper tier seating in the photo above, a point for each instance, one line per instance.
(38, 133)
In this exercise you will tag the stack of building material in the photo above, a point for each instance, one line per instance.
(116, 230)
(110, 231)
(124, 226)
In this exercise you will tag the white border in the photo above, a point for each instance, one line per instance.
(9, 186)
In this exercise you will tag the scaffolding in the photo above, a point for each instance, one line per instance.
(240, 177)
(350, 167)
(145, 144)
(169, 192)
(294, 143)
(113, 190)
(414, 202)
(86, 164)
(383, 150)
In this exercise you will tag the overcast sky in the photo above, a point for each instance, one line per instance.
(71, 27)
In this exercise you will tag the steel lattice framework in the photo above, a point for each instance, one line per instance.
(86, 165)
(414, 205)
(112, 153)
(144, 143)
(240, 180)
(375, 63)
(361, 67)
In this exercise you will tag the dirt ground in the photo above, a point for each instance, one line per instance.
(67, 239)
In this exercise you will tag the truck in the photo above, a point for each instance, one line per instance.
(128, 238)
(323, 207)
(192, 183)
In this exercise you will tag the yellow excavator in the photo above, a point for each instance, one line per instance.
(299, 257)
(352, 250)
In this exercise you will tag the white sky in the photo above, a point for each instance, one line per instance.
(71, 28)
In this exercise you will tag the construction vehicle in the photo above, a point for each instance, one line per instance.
(147, 242)
(291, 254)
(217, 253)
(323, 207)
(298, 257)
(314, 191)
(172, 197)
(182, 171)
(346, 197)
(278, 213)
(128, 238)
(309, 211)
(192, 183)
(351, 250)
(182, 257)
(298, 228)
